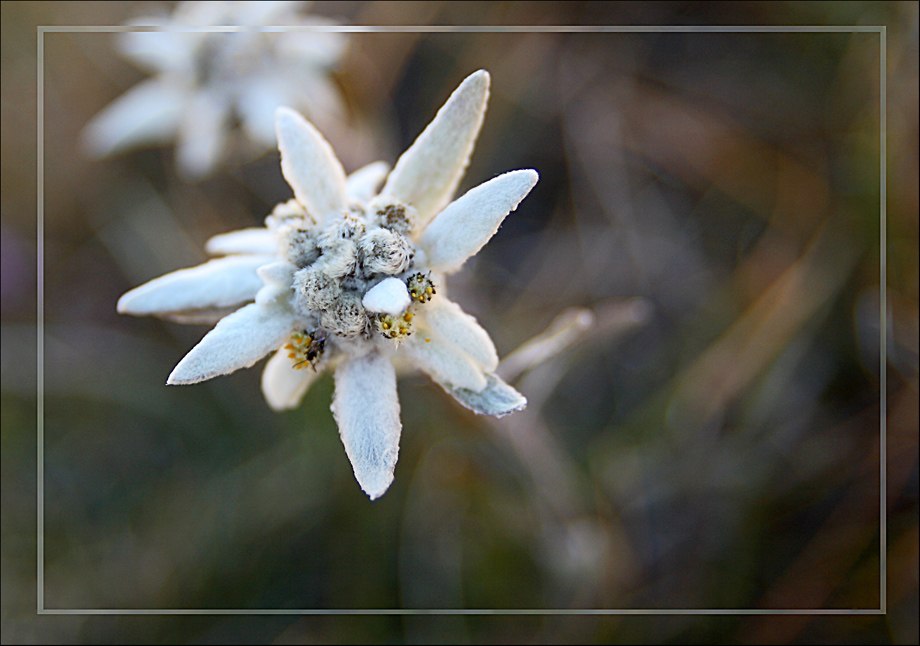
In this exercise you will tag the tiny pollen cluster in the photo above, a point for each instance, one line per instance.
(306, 347)
(421, 287)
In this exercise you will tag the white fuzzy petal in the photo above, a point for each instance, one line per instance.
(427, 174)
(450, 323)
(208, 316)
(148, 113)
(257, 240)
(497, 398)
(309, 165)
(279, 274)
(362, 184)
(366, 408)
(443, 362)
(238, 341)
(159, 51)
(389, 296)
(201, 134)
(217, 283)
(466, 225)
(283, 385)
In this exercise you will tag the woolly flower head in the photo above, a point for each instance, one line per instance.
(342, 278)
(206, 80)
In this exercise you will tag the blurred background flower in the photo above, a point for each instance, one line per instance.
(707, 218)
(208, 86)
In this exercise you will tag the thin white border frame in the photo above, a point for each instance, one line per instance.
(883, 322)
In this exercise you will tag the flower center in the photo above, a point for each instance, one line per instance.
(340, 261)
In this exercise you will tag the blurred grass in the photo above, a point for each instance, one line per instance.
(719, 450)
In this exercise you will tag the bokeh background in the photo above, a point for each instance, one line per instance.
(710, 202)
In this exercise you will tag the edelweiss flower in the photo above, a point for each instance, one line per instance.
(348, 281)
(206, 81)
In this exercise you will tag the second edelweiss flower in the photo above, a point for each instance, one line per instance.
(342, 279)
(214, 91)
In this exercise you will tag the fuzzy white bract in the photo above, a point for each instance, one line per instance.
(206, 80)
(342, 278)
